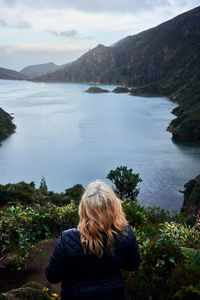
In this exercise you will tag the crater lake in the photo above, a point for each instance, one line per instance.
(71, 137)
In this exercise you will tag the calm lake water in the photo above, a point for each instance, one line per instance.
(72, 137)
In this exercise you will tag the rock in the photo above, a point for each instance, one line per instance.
(121, 89)
(96, 90)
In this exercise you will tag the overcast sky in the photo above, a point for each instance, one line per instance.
(59, 31)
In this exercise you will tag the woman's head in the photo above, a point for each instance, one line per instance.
(100, 212)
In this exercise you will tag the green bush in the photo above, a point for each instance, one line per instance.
(74, 193)
(125, 182)
(20, 227)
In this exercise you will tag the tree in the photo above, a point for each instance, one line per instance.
(43, 185)
(74, 193)
(125, 182)
(4, 197)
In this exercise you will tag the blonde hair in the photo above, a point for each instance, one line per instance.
(101, 215)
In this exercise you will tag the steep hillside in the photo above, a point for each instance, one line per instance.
(39, 70)
(10, 74)
(88, 68)
(164, 60)
(6, 125)
(144, 58)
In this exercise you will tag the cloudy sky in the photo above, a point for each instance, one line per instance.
(40, 31)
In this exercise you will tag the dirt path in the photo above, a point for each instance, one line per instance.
(35, 269)
(37, 263)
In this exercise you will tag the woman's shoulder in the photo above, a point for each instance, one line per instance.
(70, 233)
(128, 237)
(73, 230)
(129, 230)
(70, 240)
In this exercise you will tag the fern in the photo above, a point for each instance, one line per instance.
(192, 257)
(187, 292)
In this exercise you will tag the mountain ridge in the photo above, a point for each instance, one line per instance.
(10, 74)
(39, 69)
(161, 61)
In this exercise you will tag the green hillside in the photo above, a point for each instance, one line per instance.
(6, 125)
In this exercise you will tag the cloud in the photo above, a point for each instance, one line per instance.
(23, 25)
(18, 25)
(65, 33)
(97, 6)
(72, 33)
(39, 48)
(3, 23)
(17, 56)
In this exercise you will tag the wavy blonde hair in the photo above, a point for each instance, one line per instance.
(101, 215)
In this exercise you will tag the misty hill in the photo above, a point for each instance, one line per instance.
(39, 70)
(10, 74)
(164, 60)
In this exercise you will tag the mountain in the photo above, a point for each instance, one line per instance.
(10, 74)
(39, 70)
(161, 61)
(6, 125)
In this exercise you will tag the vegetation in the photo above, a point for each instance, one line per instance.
(191, 203)
(6, 125)
(169, 247)
(74, 193)
(31, 291)
(125, 182)
(96, 90)
(43, 185)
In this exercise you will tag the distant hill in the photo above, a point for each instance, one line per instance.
(39, 70)
(6, 125)
(10, 74)
(164, 60)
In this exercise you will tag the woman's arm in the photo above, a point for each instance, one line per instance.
(132, 259)
(55, 268)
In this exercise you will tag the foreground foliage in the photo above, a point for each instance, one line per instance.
(31, 291)
(170, 248)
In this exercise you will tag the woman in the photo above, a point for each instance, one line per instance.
(88, 260)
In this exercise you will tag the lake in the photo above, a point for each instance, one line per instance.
(71, 137)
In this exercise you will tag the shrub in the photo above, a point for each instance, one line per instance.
(21, 227)
(74, 193)
(125, 182)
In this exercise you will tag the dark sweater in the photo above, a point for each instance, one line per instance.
(84, 274)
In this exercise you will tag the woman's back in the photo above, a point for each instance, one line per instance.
(86, 271)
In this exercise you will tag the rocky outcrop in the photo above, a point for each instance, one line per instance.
(120, 89)
(6, 125)
(96, 90)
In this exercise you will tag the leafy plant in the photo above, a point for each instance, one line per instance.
(125, 182)
(192, 257)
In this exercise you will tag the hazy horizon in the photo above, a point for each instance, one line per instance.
(45, 31)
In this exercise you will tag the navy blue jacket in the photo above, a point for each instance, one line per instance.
(85, 274)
